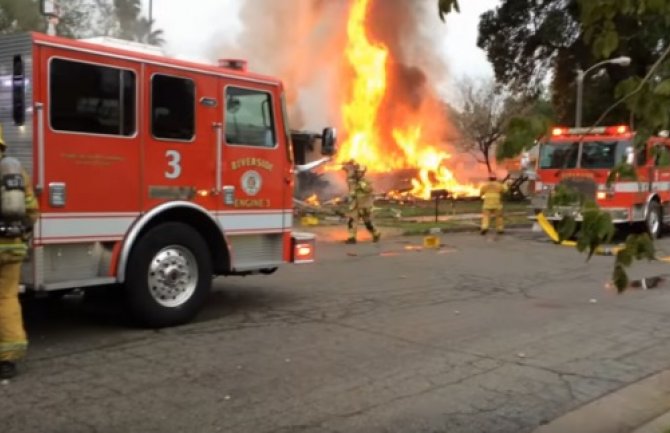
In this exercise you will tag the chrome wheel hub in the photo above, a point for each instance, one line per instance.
(173, 276)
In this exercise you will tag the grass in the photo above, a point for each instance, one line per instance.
(445, 208)
(418, 228)
(386, 215)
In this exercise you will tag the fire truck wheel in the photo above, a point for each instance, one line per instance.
(654, 221)
(169, 275)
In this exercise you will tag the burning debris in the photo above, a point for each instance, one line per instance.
(393, 119)
(367, 66)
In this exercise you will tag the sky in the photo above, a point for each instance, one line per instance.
(189, 33)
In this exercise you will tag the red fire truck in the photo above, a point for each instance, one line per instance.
(582, 158)
(152, 174)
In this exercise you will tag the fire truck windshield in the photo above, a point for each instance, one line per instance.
(559, 154)
(594, 154)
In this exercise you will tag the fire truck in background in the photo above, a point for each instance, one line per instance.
(582, 158)
(152, 174)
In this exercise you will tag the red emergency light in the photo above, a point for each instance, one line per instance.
(234, 64)
(558, 131)
(600, 130)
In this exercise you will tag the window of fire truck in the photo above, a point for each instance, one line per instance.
(603, 154)
(91, 98)
(249, 118)
(172, 108)
(559, 155)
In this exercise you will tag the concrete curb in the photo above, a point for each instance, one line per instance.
(621, 411)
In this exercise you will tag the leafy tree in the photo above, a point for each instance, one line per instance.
(526, 128)
(545, 39)
(483, 116)
(646, 94)
(20, 16)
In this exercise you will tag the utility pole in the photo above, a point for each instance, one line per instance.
(151, 19)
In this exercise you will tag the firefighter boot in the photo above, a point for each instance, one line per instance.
(351, 225)
(486, 218)
(375, 234)
(7, 370)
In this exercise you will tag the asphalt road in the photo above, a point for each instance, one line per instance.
(479, 336)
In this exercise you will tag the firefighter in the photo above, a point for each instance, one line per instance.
(360, 201)
(18, 213)
(491, 194)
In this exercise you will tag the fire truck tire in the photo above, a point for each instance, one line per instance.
(654, 220)
(169, 275)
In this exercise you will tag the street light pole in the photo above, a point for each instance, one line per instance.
(622, 61)
(580, 94)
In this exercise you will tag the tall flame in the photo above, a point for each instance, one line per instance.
(361, 123)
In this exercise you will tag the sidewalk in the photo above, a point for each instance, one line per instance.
(642, 407)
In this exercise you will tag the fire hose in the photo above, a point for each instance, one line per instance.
(551, 232)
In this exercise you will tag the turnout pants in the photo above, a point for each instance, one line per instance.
(13, 340)
(365, 215)
(498, 214)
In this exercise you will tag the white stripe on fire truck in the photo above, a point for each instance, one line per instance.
(255, 222)
(627, 187)
(85, 227)
(640, 186)
(59, 227)
(661, 186)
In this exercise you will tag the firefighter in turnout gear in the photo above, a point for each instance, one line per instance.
(360, 201)
(18, 213)
(491, 194)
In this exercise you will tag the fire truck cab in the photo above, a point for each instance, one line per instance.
(582, 159)
(152, 174)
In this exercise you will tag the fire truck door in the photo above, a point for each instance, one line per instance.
(180, 137)
(254, 162)
(91, 143)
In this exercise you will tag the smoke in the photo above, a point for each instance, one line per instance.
(297, 41)
(302, 42)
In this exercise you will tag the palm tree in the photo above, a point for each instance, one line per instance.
(144, 32)
(445, 6)
(127, 13)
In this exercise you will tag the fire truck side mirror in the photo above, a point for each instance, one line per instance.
(329, 142)
(18, 92)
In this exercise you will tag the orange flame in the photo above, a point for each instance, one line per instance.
(363, 140)
(313, 200)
